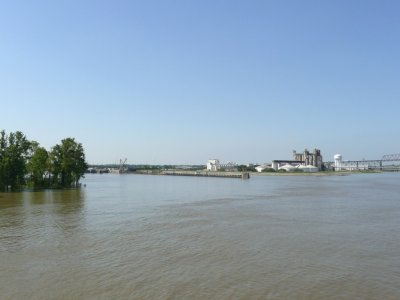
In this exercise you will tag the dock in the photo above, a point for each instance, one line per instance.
(241, 175)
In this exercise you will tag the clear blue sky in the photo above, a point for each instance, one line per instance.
(185, 81)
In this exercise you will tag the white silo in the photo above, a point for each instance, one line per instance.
(338, 162)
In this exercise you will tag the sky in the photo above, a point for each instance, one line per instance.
(184, 81)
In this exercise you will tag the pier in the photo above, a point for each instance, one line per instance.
(241, 175)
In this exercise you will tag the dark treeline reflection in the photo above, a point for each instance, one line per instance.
(44, 214)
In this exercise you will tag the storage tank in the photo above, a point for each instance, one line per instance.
(338, 161)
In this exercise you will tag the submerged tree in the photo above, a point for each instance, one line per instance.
(22, 160)
(14, 152)
(67, 163)
(39, 166)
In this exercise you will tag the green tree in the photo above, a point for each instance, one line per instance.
(3, 148)
(63, 166)
(14, 152)
(244, 168)
(269, 170)
(67, 163)
(38, 166)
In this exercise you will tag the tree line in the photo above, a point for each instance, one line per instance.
(25, 163)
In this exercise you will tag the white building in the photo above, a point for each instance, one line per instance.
(287, 167)
(304, 168)
(308, 168)
(262, 167)
(259, 169)
(213, 165)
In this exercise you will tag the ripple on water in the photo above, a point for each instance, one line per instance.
(266, 238)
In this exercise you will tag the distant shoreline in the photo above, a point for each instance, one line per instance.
(322, 173)
(308, 174)
(256, 174)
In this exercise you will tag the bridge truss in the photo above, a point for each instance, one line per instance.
(375, 164)
(391, 157)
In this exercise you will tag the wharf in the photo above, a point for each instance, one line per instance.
(242, 175)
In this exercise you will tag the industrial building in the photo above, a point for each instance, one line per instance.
(308, 158)
(306, 161)
(261, 168)
(214, 165)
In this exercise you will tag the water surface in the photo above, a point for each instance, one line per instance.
(160, 237)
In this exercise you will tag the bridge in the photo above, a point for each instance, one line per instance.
(374, 164)
(391, 157)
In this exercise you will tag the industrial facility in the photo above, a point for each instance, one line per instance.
(308, 158)
(214, 165)
(306, 161)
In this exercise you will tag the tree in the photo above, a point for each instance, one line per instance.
(14, 152)
(19, 157)
(38, 166)
(244, 168)
(67, 163)
(3, 148)
(269, 170)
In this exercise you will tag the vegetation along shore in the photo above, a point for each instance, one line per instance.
(25, 164)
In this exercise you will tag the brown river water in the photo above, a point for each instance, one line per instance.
(160, 237)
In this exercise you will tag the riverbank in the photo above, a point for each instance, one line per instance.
(203, 173)
(322, 173)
